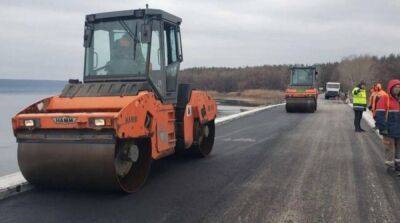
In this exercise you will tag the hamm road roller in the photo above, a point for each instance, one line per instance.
(103, 133)
(302, 94)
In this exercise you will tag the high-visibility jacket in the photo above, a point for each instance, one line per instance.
(359, 99)
(388, 113)
(374, 100)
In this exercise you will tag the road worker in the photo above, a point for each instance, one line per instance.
(359, 105)
(376, 93)
(372, 92)
(122, 59)
(388, 123)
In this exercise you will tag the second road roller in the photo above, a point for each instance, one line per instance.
(302, 92)
(129, 110)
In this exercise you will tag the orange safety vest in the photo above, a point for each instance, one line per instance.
(374, 100)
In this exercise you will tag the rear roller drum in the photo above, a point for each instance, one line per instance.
(203, 138)
(132, 164)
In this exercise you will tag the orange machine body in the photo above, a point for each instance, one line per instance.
(301, 93)
(104, 132)
(129, 117)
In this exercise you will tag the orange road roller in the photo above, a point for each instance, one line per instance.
(103, 133)
(302, 93)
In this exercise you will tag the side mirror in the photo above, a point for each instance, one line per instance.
(74, 81)
(180, 58)
(146, 33)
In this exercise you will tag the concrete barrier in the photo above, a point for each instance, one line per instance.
(16, 183)
(229, 118)
(13, 184)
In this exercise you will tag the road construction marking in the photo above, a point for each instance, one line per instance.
(239, 140)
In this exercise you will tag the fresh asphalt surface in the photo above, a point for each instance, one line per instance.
(268, 167)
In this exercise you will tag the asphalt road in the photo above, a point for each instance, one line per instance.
(268, 167)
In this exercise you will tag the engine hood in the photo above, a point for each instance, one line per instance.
(95, 97)
(88, 104)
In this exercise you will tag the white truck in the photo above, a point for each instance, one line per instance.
(332, 90)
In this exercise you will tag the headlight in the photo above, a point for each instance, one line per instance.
(99, 122)
(29, 123)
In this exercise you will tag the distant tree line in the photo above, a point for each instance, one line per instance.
(237, 79)
(349, 72)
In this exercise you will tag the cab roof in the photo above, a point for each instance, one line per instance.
(303, 67)
(136, 13)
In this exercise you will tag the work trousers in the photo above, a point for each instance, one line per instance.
(392, 150)
(357, 119)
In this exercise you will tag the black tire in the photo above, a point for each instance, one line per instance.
(140, 167)
(204, 135)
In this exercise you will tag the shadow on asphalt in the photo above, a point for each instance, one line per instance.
(159, 167)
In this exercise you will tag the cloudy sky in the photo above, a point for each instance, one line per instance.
(42, 39)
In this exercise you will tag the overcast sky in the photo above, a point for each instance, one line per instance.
(43, 39)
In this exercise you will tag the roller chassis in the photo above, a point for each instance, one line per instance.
(105, 133)
(144, 119)
(302, 94)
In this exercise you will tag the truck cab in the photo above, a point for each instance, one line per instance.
(332, 90)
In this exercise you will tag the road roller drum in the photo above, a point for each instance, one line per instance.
(301, 105)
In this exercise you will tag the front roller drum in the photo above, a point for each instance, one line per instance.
(301, 105)
(122, 165)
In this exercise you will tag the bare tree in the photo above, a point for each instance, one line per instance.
(350, 71)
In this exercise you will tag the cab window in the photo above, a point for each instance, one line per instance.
(155, 51)
(170, 41)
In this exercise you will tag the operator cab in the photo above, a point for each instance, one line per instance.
(303, 76)
(135, 46)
